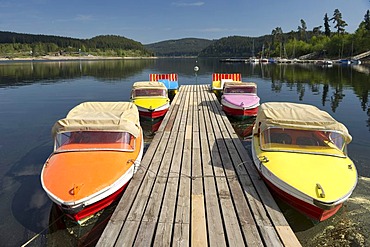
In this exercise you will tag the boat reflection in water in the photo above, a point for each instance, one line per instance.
(243, 127)
(63, 231)
(150, 126)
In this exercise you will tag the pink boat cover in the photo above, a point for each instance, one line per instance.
(244, 100)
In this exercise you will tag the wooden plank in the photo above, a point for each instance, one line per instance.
(182, 217)
(198, 221)
(259, 212)
(152, 211)
(248, 218)
(166, 219)
(230, 217)
(214, 223)
(266, 200)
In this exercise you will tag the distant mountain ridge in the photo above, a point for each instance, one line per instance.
(179, 47)
(115, 45)
(284, 45)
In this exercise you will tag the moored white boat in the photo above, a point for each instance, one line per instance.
(97, 148)
(300, 152)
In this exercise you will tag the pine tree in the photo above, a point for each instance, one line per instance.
(367, 20)
(302, 30)
(340, 23)
(326, 25)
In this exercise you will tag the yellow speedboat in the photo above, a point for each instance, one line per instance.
(300, 152)
(151, 98)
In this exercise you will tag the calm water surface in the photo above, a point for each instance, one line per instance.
(33, 95)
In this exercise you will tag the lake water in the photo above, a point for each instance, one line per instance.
(33, 95)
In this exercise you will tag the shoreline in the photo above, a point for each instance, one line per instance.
(69, 58)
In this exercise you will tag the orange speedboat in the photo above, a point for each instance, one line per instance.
(97, 149)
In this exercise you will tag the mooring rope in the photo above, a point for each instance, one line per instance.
(38, 234)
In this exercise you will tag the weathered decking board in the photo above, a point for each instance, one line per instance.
(197, 186)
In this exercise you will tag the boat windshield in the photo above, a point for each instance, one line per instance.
(94, 140)
(149, 92)
(251, 90)
(306, 141)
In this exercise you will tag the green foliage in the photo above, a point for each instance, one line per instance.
(181, 47)
(295, 44)
(340, 23)
(15, 44)
(236, 46)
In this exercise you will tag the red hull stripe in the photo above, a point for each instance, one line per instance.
(304, 207)
(220, 76)
(240, 112)
(96, 207)
(153, 114)
(156, 77)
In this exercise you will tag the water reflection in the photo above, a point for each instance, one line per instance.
(243, 128)
(26, 73)
(63, 231)
(26, 173)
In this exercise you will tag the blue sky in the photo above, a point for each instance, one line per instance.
(150, 21)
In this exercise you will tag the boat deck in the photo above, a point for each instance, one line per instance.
(197, 186)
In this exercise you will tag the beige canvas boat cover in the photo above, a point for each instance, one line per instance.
(239, 83)
(101, 116)
(149, 84)
(297, 116)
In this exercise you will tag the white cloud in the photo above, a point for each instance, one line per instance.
(216, 30)
(83, 18)
(182, 4)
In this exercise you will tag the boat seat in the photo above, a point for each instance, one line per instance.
(282, 138)
(306, 141)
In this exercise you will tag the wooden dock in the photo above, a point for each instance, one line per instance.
(197, 186)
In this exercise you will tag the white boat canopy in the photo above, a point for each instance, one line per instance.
(239, 83)
(297, 116)
(100, 116)
(148, 85)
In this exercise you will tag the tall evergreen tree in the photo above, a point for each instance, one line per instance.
(326, 25)
(302, 30)
(340, 23)
(367, 20)
(277, 37)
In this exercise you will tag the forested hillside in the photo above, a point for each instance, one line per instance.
(180, 47)
(327, 41)
(17, 44)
